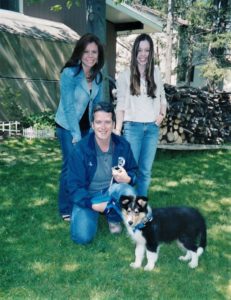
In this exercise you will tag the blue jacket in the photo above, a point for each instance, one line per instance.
(75, 96)
(82, 165)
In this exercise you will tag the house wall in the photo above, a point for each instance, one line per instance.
(75, 18)
(30, 68)
(198, 80)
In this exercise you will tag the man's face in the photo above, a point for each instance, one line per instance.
(103, 126)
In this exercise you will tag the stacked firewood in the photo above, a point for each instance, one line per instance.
(196, 116)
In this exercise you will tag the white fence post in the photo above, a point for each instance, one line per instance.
(11, 127)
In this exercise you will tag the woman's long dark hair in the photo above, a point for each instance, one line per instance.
(149, 72)
(77, 54)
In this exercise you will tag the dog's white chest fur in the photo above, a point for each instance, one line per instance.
(136, 235)
(140, 250)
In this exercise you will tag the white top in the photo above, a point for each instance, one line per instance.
(139, 108)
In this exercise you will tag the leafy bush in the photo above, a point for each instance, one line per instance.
(9, 100)
(39, 120)
(10, 104)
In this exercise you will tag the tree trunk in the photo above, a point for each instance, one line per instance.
(96, 24)
(169, 42)
(190, 58)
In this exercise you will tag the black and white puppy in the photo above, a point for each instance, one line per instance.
(151, 227)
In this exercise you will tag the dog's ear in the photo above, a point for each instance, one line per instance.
(142, 200)
(125, 200)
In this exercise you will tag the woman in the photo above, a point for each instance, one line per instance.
(141, 107)
(81, 89)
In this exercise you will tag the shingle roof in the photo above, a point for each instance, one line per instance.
(20, 24)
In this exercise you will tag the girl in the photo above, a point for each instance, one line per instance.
(141, 107)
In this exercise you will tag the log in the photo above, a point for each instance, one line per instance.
(196, 116)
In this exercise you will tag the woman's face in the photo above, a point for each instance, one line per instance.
(143, 53)
(90, 56)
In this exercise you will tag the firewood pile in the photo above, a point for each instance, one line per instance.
(195, 116)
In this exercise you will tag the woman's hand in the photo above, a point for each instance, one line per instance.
(74, 141)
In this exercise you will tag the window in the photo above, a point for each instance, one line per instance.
(10, 5)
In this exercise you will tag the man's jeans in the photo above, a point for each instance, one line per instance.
(84, 221)
(143, 138)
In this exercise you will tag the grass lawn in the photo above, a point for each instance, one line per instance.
(39, 261)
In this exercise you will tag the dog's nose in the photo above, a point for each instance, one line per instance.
(130, 223)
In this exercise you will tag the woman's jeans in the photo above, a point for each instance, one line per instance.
(65, 140)
(84, 220)
(143, 138)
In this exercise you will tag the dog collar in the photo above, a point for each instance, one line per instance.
(147, 220)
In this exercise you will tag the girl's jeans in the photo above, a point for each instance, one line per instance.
(84, 220)
(143, 138)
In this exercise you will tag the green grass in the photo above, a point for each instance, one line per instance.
(39, 261)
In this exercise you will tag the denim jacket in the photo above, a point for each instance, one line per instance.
(82, 165)
(75, 96)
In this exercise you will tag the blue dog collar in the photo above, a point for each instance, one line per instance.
(147, 220)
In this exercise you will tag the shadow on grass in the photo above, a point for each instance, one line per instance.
(39, 260)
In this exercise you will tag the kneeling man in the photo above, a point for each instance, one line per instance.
(101, 169)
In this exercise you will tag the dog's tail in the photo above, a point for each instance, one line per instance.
(203, 239)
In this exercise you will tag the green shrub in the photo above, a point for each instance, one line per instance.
(39, 120)
(9, 100)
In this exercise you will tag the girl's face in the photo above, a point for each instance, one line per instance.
(90, 56)
(143, 53)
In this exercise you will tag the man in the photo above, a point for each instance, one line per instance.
(101, 169)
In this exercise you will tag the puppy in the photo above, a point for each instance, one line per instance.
(151, 227)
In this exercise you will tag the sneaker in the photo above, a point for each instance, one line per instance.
(114, 227)
(66, 218)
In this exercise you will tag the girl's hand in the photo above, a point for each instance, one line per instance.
(116, 131)
(159, 119)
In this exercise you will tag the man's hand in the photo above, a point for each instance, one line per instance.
(120, 175)
(99, 207)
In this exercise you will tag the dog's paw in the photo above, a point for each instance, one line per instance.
(149, 267)
(135, 265)
(184, 258)
(193, 264)
(187, 257)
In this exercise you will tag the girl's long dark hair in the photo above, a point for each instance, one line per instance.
(149, 72)
(77, 54)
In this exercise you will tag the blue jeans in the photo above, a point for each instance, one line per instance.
(65, 140)
(143, 138)
(84, 221)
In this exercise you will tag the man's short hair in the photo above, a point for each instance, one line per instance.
(106, 107)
